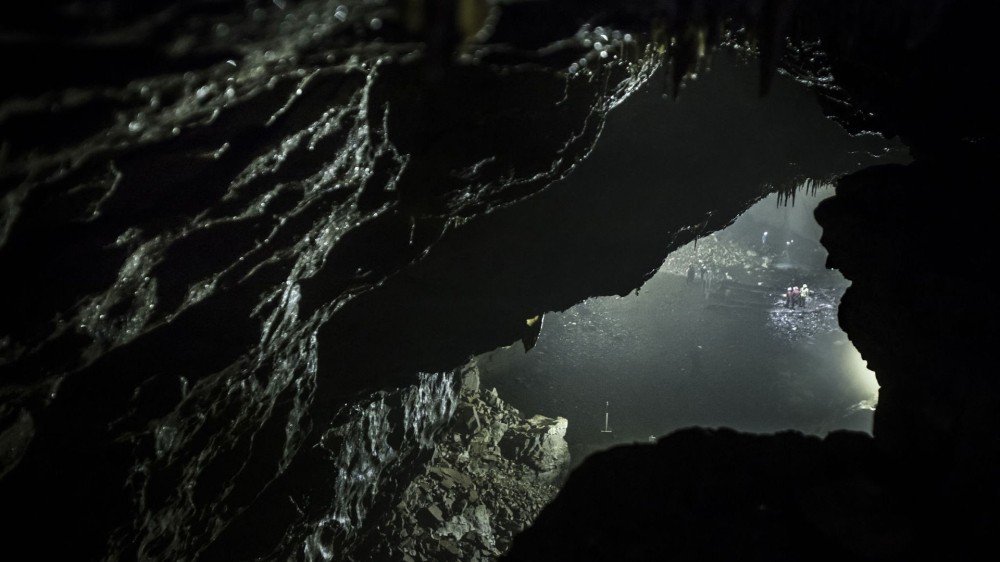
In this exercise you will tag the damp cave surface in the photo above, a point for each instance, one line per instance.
(664, 359)
(261, 255)
(723, 351)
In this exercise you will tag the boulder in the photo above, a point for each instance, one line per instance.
(431, 516)
(540, 444)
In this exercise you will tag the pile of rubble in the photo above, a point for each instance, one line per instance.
(726, 258)
(492, 472)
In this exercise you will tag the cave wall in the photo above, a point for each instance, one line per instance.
(180, 232)
(914, 243)
(227, 209)
(912, 255)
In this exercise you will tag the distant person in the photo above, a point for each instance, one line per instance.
(796, 296)
(805, 294)
(690, 277)
(788, 297)
(763, 240)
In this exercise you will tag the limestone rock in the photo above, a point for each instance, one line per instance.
(539, 443)
(470, 380)
(487, 481)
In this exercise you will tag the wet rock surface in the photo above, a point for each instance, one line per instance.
(233, 234)
(492, 471)
(183, 235)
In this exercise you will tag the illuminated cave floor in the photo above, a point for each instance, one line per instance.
(673, 356)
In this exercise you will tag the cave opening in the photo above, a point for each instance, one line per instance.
(677, 173)
(709, 340)
(260, 260)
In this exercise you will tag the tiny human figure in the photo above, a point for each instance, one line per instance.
(788, 297)
(763, 240)
(796, 296)
(690, 275)
(805, 294)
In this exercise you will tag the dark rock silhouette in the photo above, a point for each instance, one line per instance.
(716, 494)
(245, 245)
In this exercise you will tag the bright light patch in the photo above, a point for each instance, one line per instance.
(860, 377)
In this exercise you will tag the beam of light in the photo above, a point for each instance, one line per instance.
(859, 377)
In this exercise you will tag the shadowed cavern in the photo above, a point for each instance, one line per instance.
(249, 247)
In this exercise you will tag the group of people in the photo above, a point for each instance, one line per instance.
(795, 296)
